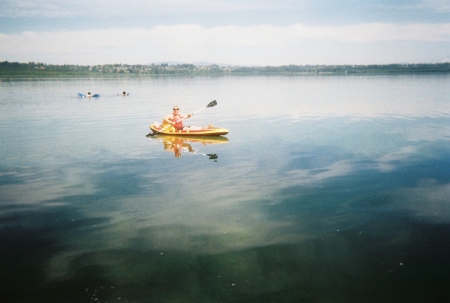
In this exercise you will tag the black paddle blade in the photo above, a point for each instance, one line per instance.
(212, 103)
(212, 156)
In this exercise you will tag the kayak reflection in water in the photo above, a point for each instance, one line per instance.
(177, 145)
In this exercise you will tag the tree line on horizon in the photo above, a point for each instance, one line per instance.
(33, 69)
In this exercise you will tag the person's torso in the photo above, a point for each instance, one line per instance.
(177, 120)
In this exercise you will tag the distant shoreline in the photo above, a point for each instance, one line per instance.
(32, 70)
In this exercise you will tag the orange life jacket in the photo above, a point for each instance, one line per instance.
(178, 123)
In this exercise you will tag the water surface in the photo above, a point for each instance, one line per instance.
(326, 189)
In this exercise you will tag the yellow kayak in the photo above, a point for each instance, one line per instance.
(189, 131)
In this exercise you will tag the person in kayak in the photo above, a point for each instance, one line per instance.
(175, 119)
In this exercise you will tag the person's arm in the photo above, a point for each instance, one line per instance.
(166, 119)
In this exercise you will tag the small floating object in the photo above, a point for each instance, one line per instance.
(88, 95)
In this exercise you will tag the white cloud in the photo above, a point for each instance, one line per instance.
(70, 8)
(258, 44)
(442, 6)
(374, 32)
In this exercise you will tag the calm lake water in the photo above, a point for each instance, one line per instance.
(326, 189)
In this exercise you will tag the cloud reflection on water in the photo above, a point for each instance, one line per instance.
(226, 214)
(292, 201)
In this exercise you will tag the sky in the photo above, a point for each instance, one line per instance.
(231, 32)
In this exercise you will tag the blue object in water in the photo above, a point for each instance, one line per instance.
(84, 96)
